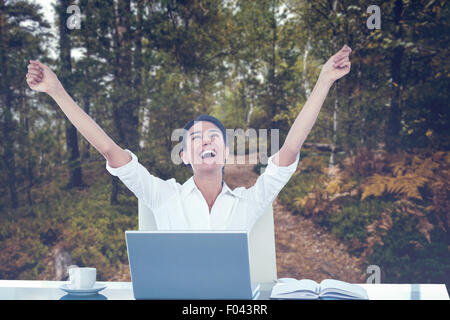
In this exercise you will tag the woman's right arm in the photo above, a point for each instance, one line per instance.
(42, 79)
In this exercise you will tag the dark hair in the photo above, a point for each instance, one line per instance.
(204, 117)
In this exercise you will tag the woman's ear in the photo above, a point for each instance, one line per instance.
(184, 157)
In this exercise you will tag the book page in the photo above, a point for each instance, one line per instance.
(341, 287)
(295, 286)
(309, 285)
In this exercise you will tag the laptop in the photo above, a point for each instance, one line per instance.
(190, 265)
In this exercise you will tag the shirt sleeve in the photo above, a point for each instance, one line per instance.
(267, 187)
(146, 187)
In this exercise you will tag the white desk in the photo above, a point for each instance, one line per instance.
(49, 290)
(388, 291)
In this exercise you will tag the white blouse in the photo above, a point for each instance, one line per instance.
(182, 206)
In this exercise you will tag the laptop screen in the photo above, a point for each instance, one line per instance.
(189, 264)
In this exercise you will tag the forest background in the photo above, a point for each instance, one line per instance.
(374, 171)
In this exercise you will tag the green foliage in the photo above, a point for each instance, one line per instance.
(252, 64)
(308, 176)
(21, 251)
(231, 108)
(350, 223)
(405, 257)
(82, 223)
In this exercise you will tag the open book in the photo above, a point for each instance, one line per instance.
(309, 289)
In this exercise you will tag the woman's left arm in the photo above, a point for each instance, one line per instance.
(335, 68)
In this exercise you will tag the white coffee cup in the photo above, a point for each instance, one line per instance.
(82, 278)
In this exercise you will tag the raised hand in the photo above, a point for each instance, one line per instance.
(337, 66)
(41, 78)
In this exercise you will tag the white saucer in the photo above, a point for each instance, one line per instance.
(83, 292)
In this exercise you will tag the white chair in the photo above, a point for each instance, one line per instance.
(263, 267)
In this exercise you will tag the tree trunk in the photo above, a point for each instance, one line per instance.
(394, 119)
(9, 128)
(138, 63)
(76, 176)
(29, 164)
(88, 92)
(306, 84)
(336, 99)
(360, 127)
(271, 76)
(249, 115)
(125, 112)
(24, 115)
(8, 125)
(335, 124)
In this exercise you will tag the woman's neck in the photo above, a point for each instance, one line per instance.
(210, 185)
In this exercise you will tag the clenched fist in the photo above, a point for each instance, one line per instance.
(41, 78)
(337, 66)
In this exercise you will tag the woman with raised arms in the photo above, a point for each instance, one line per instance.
(203, 202)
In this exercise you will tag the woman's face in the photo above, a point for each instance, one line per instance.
(205, 147)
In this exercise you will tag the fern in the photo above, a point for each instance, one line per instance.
(405, 179)
(376, 186)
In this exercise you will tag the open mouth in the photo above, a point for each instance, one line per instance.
(208, 154)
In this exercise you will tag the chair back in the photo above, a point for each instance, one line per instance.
(263, 267)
